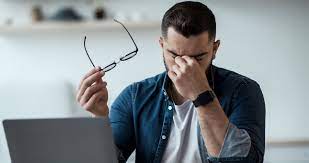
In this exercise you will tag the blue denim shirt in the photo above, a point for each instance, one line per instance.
(141, 118)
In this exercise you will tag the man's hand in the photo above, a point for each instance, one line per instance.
(188, 77)
(92, 93)
(190, 80)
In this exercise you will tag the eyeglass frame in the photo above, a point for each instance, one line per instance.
(123, 58)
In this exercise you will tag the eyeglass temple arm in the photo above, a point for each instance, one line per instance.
(128, 33)
(87, 52)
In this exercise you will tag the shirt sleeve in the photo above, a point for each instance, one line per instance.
(122, 124)
(237, 143)
(245, 137)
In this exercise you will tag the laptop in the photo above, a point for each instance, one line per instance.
(66, 140)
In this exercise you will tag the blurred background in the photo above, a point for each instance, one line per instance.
(42, 58)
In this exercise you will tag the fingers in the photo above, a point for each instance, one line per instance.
(89, 105)
(88, 80)
(176, 70)
(182, 66)
(90, 91)
(172, 75)
(190, 61)
(92, 71)
(184, 62)
(100, 81)
(180, 62)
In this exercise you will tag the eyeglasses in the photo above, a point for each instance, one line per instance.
(123, 58)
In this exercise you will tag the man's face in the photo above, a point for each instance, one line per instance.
(199, 47)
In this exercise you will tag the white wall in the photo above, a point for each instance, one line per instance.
(265, 40)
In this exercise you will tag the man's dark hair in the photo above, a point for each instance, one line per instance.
(189, 18)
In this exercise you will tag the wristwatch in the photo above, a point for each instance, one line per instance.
(204, 98)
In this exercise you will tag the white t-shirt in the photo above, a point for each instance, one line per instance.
(182, 144)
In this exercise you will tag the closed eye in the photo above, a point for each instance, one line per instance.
(198, 57)
(174, 56)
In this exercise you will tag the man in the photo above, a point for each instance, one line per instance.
(193, 112)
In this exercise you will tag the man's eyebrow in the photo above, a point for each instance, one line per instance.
(197, 55)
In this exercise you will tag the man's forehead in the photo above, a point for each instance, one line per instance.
(182, 45)
(171, 32)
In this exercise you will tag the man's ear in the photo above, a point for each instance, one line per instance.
(215, 48)
(161, 41)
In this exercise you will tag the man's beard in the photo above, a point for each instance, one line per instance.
(165, 65)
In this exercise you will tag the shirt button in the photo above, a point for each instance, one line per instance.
(163, 137)
(170, 108)
(164, 93)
